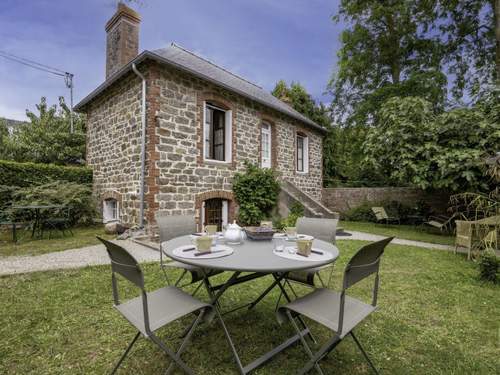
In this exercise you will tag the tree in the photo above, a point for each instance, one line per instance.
(471, 30)
(46, 138)
(4, 135)
(297, 97)
(412, 144)
(388, 49)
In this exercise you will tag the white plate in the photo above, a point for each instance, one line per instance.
(290, 253)
(218, 251)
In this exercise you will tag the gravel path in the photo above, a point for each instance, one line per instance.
(363, 236)
(95, 255)
(74, 258)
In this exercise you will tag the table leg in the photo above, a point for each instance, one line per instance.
(214, 297)
(213, 301)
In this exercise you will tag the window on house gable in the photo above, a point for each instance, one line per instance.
(266, 145)
(302, 153)
(217, 131)
(110, 210)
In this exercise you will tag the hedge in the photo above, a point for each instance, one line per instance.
(30, 174)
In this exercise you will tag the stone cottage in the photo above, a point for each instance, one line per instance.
(168, 129)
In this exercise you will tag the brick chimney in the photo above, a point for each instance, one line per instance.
(122, 38)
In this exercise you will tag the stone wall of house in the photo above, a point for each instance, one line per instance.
(344, 199)
(177, 178)
(113, 146)
(183, 174)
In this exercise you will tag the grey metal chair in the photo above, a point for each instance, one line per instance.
(171, 226)
(338, 311)
(152, 310)
(322, 229)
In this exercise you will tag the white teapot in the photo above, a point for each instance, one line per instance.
(234, 234)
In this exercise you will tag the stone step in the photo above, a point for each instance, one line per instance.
(315, 208)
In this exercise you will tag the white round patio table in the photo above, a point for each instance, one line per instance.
(255, 259)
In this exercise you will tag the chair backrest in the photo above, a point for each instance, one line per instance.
(123, 263)
(464, 233)
(322, 229)
(171, 226)
(363, 264)
(380, 213)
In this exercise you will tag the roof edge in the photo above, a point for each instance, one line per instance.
(153, 56)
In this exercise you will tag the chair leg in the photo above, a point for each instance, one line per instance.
(180, 278)
(364, 353)
(171, 354)
(320, 354)
(185, 341)
(304, 343)
(197, 288)
(125, 353)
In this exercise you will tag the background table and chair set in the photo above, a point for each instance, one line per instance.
(243, 262)
(38, 218)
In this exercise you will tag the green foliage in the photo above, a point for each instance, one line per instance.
(4, 135)
(410, 48)
(76, 197)
(47, 137)
(364, 211)
(489, 267)
(411, 144)
(28, 174)
(296, 211)
(473, 206)
(297, 96)
(256, 191)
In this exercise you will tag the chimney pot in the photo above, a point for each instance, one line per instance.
(122, 38)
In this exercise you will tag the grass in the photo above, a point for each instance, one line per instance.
(83, 236)
(408, 232)
(435, 317)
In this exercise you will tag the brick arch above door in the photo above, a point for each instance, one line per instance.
(211, 194)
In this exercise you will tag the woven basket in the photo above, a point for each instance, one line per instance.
(259, 233)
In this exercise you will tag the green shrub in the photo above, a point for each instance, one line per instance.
(256, 191)
(31, 174)
(361, 213)
(296, 211)
(77, 197)
(489, 267)
(393, 208)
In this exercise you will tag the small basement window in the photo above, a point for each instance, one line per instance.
(110, 210)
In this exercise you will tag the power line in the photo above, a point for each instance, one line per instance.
(31, 63)
(68, 77)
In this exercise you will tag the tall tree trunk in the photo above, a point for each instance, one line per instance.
(497, 36)
(394, 64)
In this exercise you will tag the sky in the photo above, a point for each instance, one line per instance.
(261, 40)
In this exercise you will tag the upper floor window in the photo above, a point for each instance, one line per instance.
(110, 210)
(266, 145)
(302, 153)
(217, 133)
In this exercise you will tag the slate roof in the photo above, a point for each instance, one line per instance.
(190, 62)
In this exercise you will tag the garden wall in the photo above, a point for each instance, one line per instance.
(344, 199)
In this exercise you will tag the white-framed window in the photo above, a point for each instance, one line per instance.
(302, 153)
(215, 212)
(110, 210)
(266, 145)
(217, 133)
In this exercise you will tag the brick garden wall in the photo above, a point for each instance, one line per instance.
(344, 199)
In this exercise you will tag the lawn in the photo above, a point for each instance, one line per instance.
(408, 232)
(83, 236)
(435, 317)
